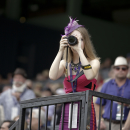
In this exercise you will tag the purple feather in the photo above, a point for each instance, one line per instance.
(72, 25)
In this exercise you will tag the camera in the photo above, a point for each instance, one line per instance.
(72, 40)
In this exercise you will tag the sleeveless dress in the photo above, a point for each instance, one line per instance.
(82, 85)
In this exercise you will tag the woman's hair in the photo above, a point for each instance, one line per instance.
(89, 50)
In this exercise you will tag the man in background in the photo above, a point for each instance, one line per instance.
(10, 99)
(119, 86)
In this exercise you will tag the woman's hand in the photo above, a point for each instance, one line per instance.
(17, 95)
(63, 43)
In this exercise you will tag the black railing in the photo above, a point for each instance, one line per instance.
(89, 95)
(84, 98)
(54, 100)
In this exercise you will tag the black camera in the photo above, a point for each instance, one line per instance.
(72, 40)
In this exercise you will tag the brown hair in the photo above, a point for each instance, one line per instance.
(89, 50)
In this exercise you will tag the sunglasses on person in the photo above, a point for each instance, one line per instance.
(122, 68)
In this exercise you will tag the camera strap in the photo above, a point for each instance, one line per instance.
(67, 62)
(80, 74)
(77, 76)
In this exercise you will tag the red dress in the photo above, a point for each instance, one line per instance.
(82, 85)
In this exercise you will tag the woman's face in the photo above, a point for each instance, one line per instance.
(78, 34)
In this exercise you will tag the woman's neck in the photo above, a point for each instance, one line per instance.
(75, 58)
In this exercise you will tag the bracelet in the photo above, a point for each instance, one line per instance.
(86, 67)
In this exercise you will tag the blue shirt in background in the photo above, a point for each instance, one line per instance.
(8, 101)
(111, 88)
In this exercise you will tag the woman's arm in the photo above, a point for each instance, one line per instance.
(58, 65)
(90, 73)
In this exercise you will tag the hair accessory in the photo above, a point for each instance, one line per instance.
(72, 25)
(86, 67)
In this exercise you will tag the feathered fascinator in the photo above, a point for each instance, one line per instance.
(72, 25)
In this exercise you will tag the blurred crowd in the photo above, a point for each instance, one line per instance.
(106, 71)
(17, 87)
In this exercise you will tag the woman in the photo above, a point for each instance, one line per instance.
(80, 57)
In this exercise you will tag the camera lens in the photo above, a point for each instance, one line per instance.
(72, 40)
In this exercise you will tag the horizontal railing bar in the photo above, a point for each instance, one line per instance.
(53, 97)
(109, 97)
(69, 98)
(51, 102)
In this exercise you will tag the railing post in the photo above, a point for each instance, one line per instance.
(22, 118)
(39, 118)
(110, 115)
(87, 110)
(100, 110)
(121, 115)
(82, 108)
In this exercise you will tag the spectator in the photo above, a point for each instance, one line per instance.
(110, 75)
(119, 86)
(1, 79)
(19, 92)
(9, 78)
(6, 87)
(105, 68)
(128, 60)
(45, 74)
(1, 88)
(37, 89)
(54, 85)
(59, 91)
(6, 125)
(1, 114)
(39, 77)
(29, 83)
(99, 82)
(16, 118)
(45, 93)
(34, 123)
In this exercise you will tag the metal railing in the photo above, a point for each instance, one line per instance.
(15, 126)
(54, 100)
(84, 98)
(121, 100)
